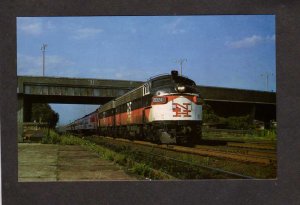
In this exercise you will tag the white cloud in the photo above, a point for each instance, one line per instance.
(30, 26)
(249, 41)
(271, 38)
(28, 65)
(49, 25)
(84, 33)
(34, 26)
(123, 73)
(133, 30)
(246, 42)
(54, 65)
(175, 27)
(118, 73)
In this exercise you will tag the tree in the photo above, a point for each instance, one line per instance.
(232, 122)
(43, 113)
(209, 115)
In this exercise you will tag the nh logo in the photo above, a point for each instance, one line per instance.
(180, 110)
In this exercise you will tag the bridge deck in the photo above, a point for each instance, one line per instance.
(55, 87)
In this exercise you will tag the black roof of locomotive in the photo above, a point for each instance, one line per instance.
(163, 76)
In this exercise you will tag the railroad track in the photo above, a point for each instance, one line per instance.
(191, 166)
(241, 150)
(265, 146)
(173, 166)
(225, 154)
(264, 158)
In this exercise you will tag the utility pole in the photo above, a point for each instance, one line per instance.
(43, 51)
(267, 75)
(180, 61)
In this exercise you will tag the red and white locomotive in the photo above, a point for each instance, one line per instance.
(165, 109)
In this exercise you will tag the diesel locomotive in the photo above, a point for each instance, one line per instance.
(165, 109)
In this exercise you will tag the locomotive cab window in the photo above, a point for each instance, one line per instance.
(162, 82)
(184, 81)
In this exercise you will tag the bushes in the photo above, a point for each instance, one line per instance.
(209, 116)
(51, 138)
(268, 134)
(66, 139)
(141, 169)
(239, 123)
(234, 122)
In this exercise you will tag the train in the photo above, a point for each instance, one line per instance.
(166, 109)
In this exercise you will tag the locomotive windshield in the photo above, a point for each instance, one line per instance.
(170, 83)
(167, 81)
(184, 81)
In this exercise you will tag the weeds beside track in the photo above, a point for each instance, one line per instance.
(186, 166)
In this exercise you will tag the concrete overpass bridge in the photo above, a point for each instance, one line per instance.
(224, 101)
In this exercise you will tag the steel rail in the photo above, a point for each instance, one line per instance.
(242, 150)
(222, 154)
(190, 163)
(206, 152)
(213, 153)
(201, 166)
(251, 145)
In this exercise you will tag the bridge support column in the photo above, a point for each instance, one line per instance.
(27, 109)
(20, 117)
(253, 112)
(24, 114)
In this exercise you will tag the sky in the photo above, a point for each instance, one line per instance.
(234, 51)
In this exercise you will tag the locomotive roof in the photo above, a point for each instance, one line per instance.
(163, 76)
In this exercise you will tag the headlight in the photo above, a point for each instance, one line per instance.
(180, 88)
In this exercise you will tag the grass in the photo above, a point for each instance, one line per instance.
(138, 159)
(123, 157)
(263, 135)
(51, 138)
(181, 170)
